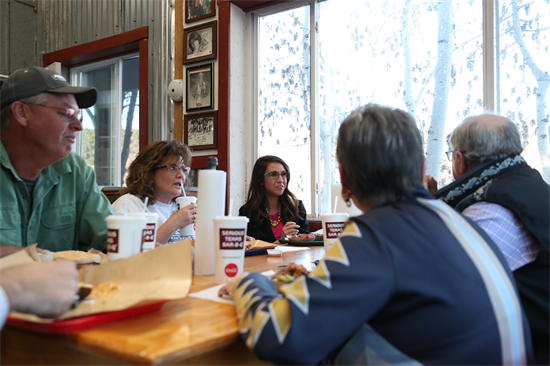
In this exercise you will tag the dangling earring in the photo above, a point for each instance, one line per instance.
(346, 195)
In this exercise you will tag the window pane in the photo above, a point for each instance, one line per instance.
(129, 121)
(424, 57)
(98, 137)
(284, 95)
(523, 65)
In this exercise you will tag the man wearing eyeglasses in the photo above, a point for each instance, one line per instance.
(498, 190)
(48, 195)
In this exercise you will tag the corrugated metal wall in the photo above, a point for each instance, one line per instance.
(67, 23)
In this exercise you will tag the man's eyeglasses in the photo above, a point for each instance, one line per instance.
(449, 154)
(68, 113)
(275, 175)
(174, 169)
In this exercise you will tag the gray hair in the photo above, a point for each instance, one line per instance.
(380, 150)
(485, 137)
(5, 114)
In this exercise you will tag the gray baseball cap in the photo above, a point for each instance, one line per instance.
(24, 83)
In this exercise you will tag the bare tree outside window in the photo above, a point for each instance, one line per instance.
(285, 95)
(422, 56)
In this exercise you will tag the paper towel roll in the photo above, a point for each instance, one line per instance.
(341, 206)
(210, 203)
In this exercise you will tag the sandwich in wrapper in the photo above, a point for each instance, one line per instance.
(77, 257)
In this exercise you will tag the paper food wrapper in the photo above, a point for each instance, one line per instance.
(16, 259)
(156, 275)
(259, 244)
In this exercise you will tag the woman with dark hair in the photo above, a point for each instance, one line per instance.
(195, 41)
(274, 212)
(159, 172)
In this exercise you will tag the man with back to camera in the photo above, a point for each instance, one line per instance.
(48, 195)
(410, 281)
(498, 190)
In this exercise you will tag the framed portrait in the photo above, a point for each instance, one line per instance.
(199, 87)
(201, 130)
(199, 9)
(201, 42)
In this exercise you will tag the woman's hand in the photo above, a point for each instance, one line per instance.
(180, 218)
(186, 215)
(249, 238)
(290, 229)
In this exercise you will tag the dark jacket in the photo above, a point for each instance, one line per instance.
(263, 231)
(522, 190)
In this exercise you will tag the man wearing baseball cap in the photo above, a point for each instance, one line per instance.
(48, 195)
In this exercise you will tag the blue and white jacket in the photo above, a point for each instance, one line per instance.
(409, 282)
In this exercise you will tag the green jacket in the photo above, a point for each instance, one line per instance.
(68, 210)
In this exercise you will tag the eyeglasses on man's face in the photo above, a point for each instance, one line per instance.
(275, 175)
(449, 154)
(69, 114)
(174, 169)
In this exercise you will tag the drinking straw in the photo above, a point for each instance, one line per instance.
(183, 189)
(146, 202)
(125, 206)
(335, 203)
(230, 207)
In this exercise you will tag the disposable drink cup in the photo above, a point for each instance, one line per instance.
(188, 230)
(150, 232)
(333, 224)
(229, 241)
(124, 235)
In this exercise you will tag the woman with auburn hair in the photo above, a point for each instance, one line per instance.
(159, 172)
(274, 212)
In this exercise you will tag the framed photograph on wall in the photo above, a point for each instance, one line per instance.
(199, 9)
(199, 87)
(201, 130)
(193, 180)
(201, 42)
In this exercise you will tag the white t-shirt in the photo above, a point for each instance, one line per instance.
(134, 204)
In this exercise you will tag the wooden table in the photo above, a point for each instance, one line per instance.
(187, 332)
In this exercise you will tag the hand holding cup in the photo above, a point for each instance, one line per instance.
(186, 215)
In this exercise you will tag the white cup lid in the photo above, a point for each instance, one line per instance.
(124, 217)
(231, 218)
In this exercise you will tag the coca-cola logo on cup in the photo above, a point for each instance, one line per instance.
(231, 270)
(232, 238)
(148, 234)
(333, 229)
(112, 240)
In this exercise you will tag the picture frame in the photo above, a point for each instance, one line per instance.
(199, 87)
(193, 180)
(201, 130)
(199, 9)
(201, 43)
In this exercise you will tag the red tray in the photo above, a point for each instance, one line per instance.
(71, 325)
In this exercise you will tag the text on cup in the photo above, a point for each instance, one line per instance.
(333, 229)
(112, 240)
(232, 238)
